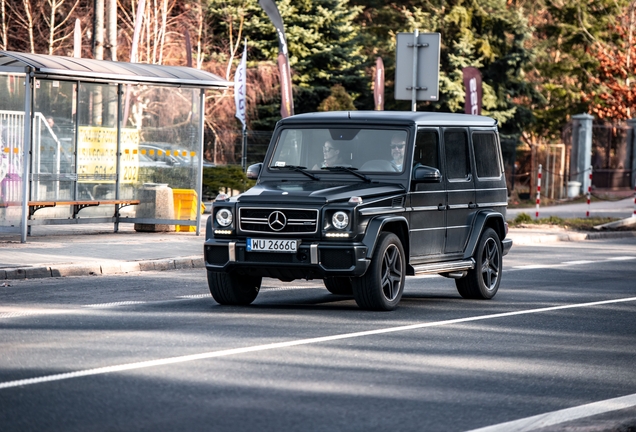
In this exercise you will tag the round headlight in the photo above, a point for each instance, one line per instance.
(340, 220)
(224, 217)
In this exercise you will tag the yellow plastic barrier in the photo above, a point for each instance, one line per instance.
(185, 205)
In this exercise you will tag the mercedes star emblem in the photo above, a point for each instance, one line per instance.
(277, 220)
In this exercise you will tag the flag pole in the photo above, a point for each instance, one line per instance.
(240, 93)
(244, 149)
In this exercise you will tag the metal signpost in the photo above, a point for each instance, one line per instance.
(417, 67)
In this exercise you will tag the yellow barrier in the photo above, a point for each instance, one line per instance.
(185, 207)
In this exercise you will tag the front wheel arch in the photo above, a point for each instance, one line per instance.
(397, 225)
(381, 287)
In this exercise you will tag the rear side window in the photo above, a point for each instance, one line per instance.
(456, 146)
(486, 155)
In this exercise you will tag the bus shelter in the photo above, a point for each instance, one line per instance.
(93, 141)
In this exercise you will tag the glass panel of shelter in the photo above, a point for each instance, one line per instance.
(11, 149)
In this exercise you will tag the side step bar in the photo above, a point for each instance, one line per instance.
(445, 267)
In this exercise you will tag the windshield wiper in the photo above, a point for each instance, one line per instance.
(297, 168)
(351, 170)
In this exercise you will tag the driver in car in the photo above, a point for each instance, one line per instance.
(331, 153)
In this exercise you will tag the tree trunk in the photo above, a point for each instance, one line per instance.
(164, 23)
(5, 42)
(111, 30)
(54, 4)
(29, 21)
(98, 49)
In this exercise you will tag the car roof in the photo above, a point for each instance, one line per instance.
(391, 117)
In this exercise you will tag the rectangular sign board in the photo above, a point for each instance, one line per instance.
(427, 83)
(97, 155)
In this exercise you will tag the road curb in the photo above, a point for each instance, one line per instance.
(197, 261)
(109, 268)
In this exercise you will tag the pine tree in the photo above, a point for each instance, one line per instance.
(338, 100)
(324, 49)
(488, 34)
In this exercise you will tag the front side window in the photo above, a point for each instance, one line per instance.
(426, 148)
(325, 149)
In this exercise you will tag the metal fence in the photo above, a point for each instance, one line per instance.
(612, 157)
(225, 147)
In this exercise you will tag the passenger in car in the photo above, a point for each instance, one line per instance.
(331, 153)
(398, 143)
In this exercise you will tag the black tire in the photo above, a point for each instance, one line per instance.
(483, 281)
(339, 285)
(233, 288)
(381, 287)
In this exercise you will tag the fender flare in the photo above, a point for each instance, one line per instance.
(375, 227)
(482, 219)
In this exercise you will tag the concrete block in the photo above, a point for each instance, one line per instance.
(156, 202)
(38, 272)
(164, 264)
(146, 266)
(183, 263)
(76, 270)
(198, 262)
(111, 268)
(130, 267)
(15, 273)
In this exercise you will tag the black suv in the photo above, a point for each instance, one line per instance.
(362, 199)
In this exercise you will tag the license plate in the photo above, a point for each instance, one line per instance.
(271, 245)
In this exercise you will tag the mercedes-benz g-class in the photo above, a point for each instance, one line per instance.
(361, 200)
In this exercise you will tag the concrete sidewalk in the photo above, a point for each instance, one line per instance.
(621, 209)
(80, 250)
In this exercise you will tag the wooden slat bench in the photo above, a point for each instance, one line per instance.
(77, 205)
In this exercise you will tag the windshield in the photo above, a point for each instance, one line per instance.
(321, 149)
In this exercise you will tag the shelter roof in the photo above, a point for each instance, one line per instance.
(83, 69)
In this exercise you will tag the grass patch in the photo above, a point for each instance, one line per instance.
(524, 220)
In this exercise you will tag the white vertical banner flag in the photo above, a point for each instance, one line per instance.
(240, 87)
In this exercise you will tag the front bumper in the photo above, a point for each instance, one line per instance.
(313, 260)
(506, 244)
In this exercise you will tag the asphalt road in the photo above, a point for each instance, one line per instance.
(152, 351)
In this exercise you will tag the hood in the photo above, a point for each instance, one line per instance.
(319, 192)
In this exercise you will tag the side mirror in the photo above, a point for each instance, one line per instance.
(426, 174)
(254, 170)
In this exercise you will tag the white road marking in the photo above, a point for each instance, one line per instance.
(562, 416)
(30, 312)
(567, 263)
(24, 313)
(579, 262)
(121, 303)
(621, 258)
(298, 342)
(285, 288)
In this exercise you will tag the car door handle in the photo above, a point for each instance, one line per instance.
(441, 207)
(472, 205)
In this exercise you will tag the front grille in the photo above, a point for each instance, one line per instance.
(297, 220)
(336, 258)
